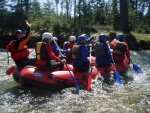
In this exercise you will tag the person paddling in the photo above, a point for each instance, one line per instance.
(69, 45)
(120, 49)
(79, 55)
(102, 52)
(45, 54)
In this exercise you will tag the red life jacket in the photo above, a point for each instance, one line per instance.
(18, 54)
(69, 45)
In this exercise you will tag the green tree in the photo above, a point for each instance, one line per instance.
(36, 15)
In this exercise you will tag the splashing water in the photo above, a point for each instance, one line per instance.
(131, 97)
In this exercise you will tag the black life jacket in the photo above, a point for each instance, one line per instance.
(119, 48)
(99, 49)
(75, 52)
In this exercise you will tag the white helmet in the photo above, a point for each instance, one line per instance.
(47, 35)
(72, 38)
(54, 38)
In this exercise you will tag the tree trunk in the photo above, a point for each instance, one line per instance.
(124, 16)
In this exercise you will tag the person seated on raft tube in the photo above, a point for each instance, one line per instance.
(44, 54)
(89, 42)
(56, 49)
(102, 52)
(120, 49)
(69, 45)
(79, 55)
(17, 47)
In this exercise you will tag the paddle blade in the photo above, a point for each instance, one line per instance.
(10, 70)
(117, 77)
(137, 69)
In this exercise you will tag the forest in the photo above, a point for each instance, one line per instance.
(73, 17)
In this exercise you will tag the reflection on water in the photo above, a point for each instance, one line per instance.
(131, 97)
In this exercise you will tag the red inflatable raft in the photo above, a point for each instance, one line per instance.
(106, 71)
(32, 76)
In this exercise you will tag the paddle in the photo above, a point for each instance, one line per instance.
(117, 76)
(136, 68)
(90, 53)
(10, 70)
(7, 58)
(77, 86)
(88, 80)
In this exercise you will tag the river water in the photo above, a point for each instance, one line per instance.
(131, 97)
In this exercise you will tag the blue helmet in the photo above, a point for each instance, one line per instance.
(102, 36)
(85, 35)
(120, 36)
(18, 32)
(81, 37)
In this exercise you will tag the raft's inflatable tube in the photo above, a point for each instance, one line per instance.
(92, 61)
(32, 76)
(106, 71)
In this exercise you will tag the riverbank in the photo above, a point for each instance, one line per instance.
(135, 41)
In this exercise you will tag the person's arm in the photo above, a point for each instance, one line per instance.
(23, 41)
(51, 53)
(113, 44)
(108, 52)
(55, 49)
(89, 40)
(62, 50)
(84, 54)
(8, 47)
(127, 51)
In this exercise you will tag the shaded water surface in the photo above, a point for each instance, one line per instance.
(131, 97)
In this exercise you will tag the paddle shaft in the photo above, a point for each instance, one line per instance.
(77, 86)
(90, 53)
(7, 58)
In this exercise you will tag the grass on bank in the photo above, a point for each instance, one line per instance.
(107, 29)
(138, 36)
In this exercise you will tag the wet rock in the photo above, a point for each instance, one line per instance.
(145, 44)
(132, 42)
